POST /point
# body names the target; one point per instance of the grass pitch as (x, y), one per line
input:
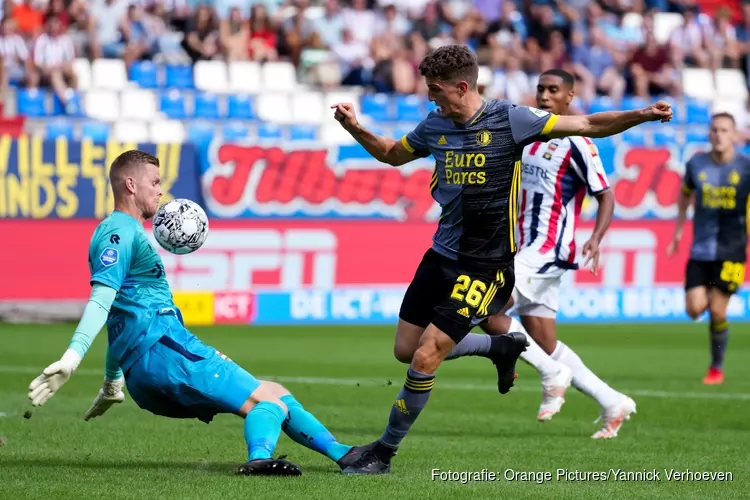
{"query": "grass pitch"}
(348, 378)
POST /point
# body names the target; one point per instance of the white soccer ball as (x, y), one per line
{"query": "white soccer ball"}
(180, 226)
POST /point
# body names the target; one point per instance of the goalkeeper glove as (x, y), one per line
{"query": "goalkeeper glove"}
(109, 394)
(53, 378)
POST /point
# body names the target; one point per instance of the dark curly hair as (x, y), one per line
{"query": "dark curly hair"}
(449, 63)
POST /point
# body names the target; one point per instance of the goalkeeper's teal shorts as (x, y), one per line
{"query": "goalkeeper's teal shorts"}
(181, 377)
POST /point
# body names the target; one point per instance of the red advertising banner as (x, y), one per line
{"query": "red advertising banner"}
(47, 259)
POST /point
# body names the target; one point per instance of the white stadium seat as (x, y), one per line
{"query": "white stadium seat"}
(138, 104)
(244, 77)
(211, 76)
(167, 131)
(308, 107)
(279, 76)
(102, 105)
(338, 96)
(698, 83)
(665, 23)
(130, 131)
(333, 134)
(731, 84)
(109, 74)
(82, 69)
(484, 77)
(274, 107)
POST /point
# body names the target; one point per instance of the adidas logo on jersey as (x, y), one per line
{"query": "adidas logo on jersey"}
(442, 141)
(464, 312)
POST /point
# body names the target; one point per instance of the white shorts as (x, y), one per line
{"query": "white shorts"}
(535, 295)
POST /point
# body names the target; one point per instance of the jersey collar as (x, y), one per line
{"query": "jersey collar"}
(474, 117)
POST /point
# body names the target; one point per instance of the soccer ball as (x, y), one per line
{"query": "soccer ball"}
(180, 226)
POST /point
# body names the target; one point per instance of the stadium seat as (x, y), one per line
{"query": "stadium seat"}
(696, 134)
(377, 107)
(274, 107)
(602, 104)
(240, 106)
(31, 102)
(635, 136)
(485, 76)
(337, 96)
(102, 105)
(73, 108)
(96, 131)
(200, 132)
(235, 131)
(130, 131)
(207, 106)
(279, 76)
(731, 84)
(172, 104)
(403, 129)
(82, 69)
(145, 74)
(167, 132)
(178, 76)
(303, 133)
(211, 76)
(409, 108)
(244, 77)
(698, 83)
(665, 23)
(664, 136)
(307, 107)
(333, 134)
(698, 112)
(109, 74)
(60, 128)
(269, 131)
(632, 102)
(138, 104)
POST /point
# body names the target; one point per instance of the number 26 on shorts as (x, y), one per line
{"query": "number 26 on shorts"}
(476, 290)
(733, 272)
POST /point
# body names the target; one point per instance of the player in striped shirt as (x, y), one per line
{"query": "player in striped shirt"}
(557, 174)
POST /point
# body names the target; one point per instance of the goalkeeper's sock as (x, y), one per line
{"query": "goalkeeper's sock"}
(262, 429)
(306, 430)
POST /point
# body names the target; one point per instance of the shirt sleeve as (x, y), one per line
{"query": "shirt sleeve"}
(415, 141)
(110, 254)
(93, 319)
(527, 124)
(589, 164)
(688, 183)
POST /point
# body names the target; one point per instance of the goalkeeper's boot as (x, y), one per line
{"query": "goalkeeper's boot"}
(353, 455)
(376, 460)
(613, 417)
(504, 352)
(269, 467)
(554, 388)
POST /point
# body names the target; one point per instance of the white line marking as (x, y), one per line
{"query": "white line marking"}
(442, 384)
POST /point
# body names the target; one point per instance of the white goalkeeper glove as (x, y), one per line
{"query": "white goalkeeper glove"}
(109, 394)
(53, 378)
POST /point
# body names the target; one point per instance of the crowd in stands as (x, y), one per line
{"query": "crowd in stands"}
(612, 46)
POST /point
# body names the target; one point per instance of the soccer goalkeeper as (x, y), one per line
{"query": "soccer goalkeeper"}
(168, 370)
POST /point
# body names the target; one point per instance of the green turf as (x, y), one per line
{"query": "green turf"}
(467, 426)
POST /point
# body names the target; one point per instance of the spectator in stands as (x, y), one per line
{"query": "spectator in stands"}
(360, 20)
(353, 56)
(725, 47)
(263, 38)
(743, 38)
(503, 37)
(29, 17)
(58, 8)
(652, 70)
(138, 36)
(105, 39)
(15, 56)
(594, 65)
(298, 33)
(234, 35)
(201, 40)
(693, 40)
(331, 24)
(53, 62)
(511, 83)
(428, 26)
(391, 24)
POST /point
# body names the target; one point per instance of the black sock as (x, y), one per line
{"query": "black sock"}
(719, 339)
(410, 402)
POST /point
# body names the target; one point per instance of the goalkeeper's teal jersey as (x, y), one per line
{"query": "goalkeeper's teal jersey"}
(122, 257)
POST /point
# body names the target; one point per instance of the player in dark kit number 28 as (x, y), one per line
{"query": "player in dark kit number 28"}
(720, 181)
(467, 275)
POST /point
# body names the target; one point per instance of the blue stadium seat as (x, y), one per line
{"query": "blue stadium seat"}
(96, 131)
(145, 74)
(31, 102)
(664, 136)
(635, 136)
(269, 131)
(207, 106)
(402, 129)
(60, 128)
(410, 108)
(179, 76)
(632, 102)
(172, 104)
(235, 131)
(696, 134)
(74, 109)
(240, 106)
(377, 107)
(303, 132)
(698, 112)
(602, 104)
(200, 133)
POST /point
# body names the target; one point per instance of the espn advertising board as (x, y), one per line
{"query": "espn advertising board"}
(353, 272)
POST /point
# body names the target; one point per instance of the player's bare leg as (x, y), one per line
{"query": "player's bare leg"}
(696, 301)
(434, 346)
(407, 340)
(555, 376)
(718, 302)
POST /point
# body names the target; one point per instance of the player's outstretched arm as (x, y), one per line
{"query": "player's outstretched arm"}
(609, 123)
(383, 149)
(58, 373)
